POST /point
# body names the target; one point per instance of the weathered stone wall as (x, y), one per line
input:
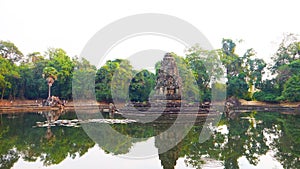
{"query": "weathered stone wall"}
(168, 84)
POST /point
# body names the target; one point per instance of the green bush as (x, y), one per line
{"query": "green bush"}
(265, 97)
(292, 89)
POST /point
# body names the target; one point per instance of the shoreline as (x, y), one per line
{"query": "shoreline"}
(34, 106)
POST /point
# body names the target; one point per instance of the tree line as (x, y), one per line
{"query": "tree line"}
(28, 76)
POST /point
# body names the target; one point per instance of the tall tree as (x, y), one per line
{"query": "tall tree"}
(242, 71)
(114, 76)
(206, 68)
(291, 90)
(254, 69)
(235, 69)
(288, 51)
(34, 57)
(83, 74)
(229, 58)
(64, 65)
(189, 83)
(141, 86)
(103, 80)
(7, 74)
(50, 73)
(286, 67)
(121, 81)
(10, 51)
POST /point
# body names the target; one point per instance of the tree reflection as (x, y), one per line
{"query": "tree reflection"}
(245, 138)
(7, 160)
(248, 135)
(51, 117)
(287, 145)
(19, 139)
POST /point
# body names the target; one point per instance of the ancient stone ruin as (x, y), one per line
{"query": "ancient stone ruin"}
(167, 96)
(168, 83)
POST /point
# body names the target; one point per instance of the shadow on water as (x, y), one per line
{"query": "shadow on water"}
(246, 135)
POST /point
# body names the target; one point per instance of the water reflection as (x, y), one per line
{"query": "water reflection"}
(245, 136)
(20, 140)
(51, 117)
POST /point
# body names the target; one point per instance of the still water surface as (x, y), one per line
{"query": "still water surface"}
(249, 140)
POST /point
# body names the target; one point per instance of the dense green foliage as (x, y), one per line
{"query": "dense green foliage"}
(206, 70)
(292, 89)
(286, 67)
(141, 86)
(243, 72)
(26, 77)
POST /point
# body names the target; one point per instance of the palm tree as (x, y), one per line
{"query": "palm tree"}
(50, 73)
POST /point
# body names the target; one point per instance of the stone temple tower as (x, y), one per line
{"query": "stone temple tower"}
(167, 97)
(168, 83)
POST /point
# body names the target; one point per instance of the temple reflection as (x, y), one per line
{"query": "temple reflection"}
(248, 136)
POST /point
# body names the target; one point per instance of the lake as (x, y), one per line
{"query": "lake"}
(58, 140)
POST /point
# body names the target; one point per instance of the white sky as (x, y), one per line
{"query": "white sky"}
(35, 25)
